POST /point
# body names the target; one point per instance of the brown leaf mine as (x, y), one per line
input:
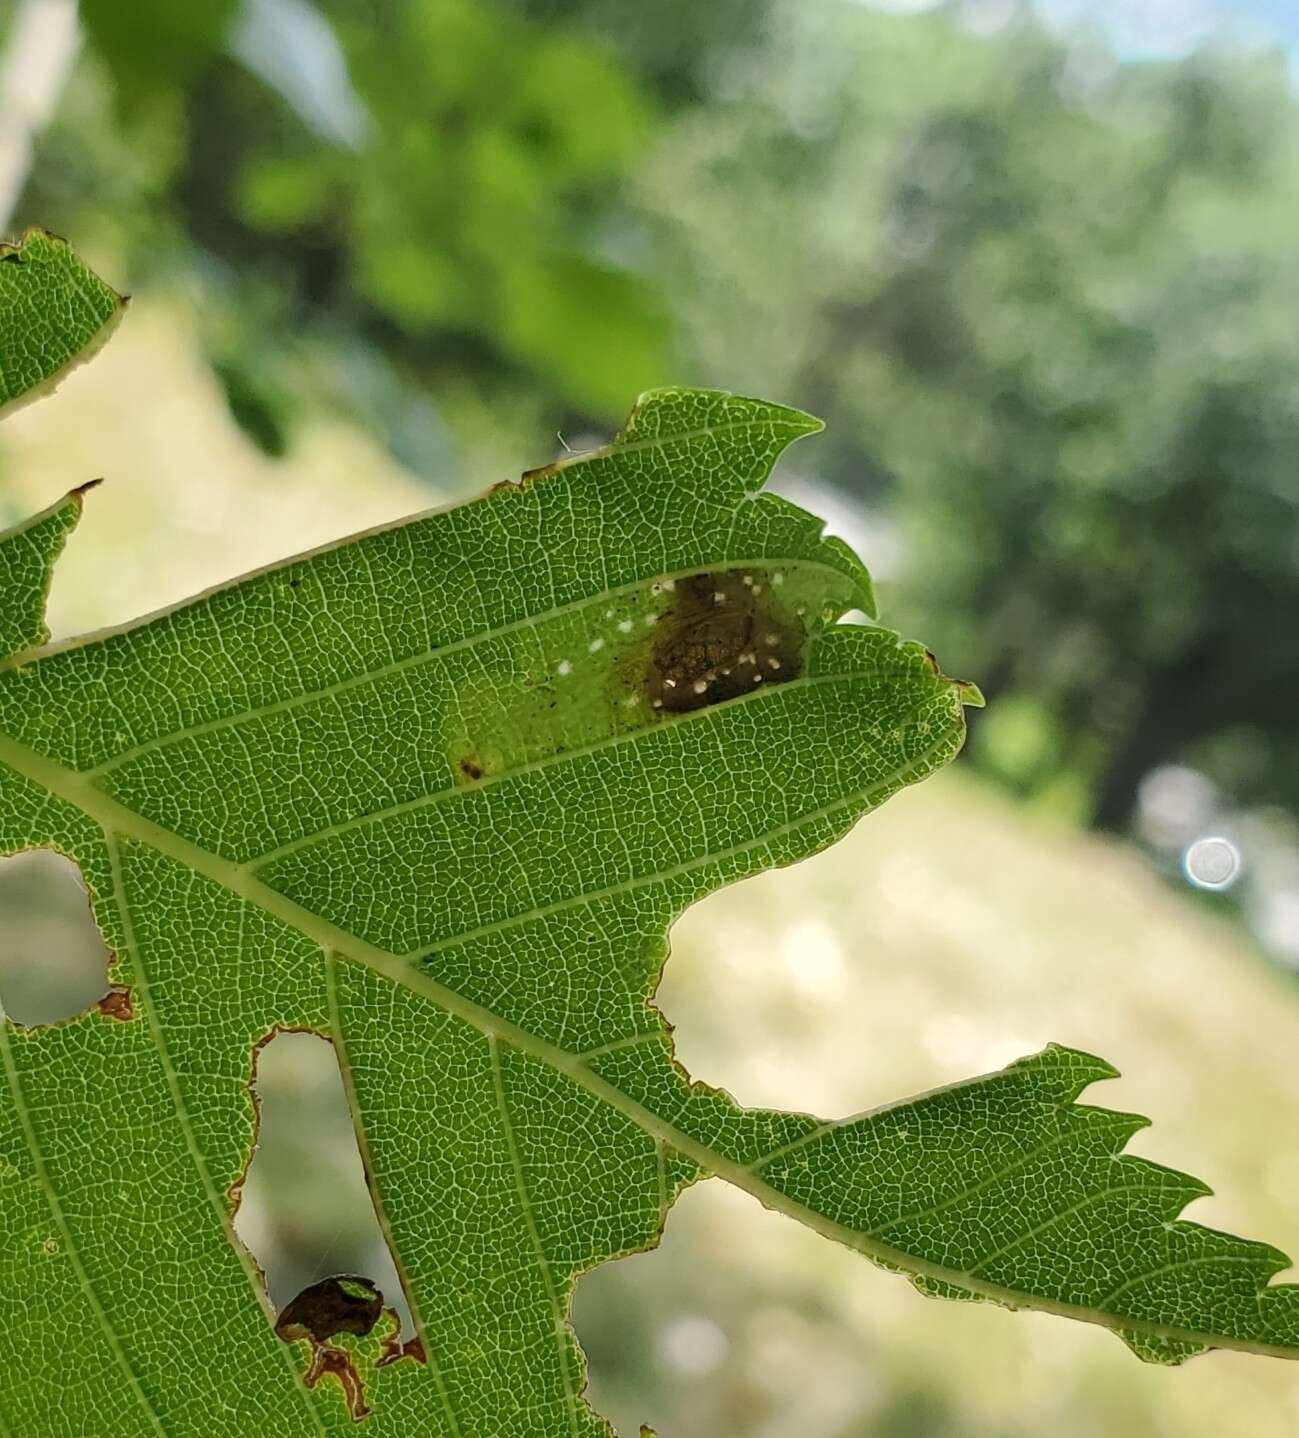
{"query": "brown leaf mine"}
(317, 1314)
(394, 1350)
(330, 1360)
(724, 636)
(332, 1306)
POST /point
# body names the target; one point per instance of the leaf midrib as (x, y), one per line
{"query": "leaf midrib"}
(111, 816)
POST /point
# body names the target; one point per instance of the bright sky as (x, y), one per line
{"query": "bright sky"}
(1148, 27)
(1159, 27)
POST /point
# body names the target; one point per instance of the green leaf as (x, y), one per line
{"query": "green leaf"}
(54, 315)
(438, 793)
(27, 557)
(1005, 1188)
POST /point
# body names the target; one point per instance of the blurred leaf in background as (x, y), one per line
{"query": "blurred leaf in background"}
(154, 48)
(440, 181)
(470, 222)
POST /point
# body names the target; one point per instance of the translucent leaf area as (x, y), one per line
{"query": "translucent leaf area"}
(437, 794)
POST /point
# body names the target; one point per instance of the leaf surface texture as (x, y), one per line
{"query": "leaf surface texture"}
(54, 314)
(431, 793)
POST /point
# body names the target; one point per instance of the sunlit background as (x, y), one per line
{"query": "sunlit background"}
(1037, 268)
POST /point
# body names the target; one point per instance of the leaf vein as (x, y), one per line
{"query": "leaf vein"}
(1048, 1223)
(380, 1213)
(423, 657)
(687, 866)
(1055, 1141)
(1199, 1260)
(530, 1219)
(186, 1125)
(65, 1233)
(548, 761)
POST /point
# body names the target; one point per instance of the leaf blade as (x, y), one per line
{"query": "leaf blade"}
(55, 314)
(358, 793)
(1060, 1161)
(27, 555)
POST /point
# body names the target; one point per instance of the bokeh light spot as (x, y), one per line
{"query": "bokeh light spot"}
(1211, 863)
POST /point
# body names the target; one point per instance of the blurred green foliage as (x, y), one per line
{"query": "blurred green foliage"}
(472, 231)
(1047, 305)
(1045, 300)
(154, 48)
(471, 223)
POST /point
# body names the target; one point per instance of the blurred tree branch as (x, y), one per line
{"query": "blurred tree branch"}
(41, 49)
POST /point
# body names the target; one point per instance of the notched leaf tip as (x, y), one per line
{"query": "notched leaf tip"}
(755, 411)
(971, 696)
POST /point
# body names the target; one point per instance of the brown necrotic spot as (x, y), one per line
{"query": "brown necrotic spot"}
(326, 1359)
(394, 1350)
(116, 1003)
(332, 1306)
(723, 636)
(321, 1312)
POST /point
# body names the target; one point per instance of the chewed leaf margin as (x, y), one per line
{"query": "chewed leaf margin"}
(1006, 1189)
(690, 499)
(27, 556)
(1003, 1188)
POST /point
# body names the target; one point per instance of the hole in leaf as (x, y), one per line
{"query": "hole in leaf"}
(53, 960)
(323, 1311)
(663, 1336)
(305, 1211)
